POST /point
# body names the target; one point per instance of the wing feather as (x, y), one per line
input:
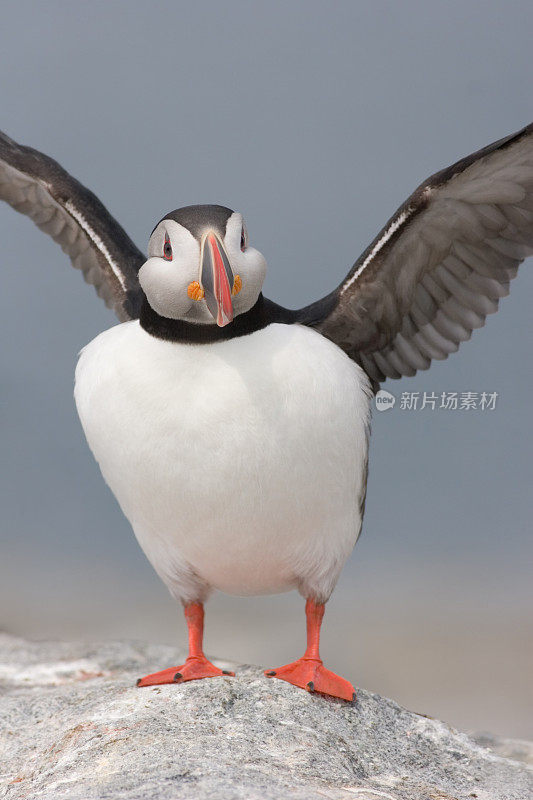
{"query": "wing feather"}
(439, 266)
(37, 186)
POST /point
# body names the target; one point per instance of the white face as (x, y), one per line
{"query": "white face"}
(173, 271)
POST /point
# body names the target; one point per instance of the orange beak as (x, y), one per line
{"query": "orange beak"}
(216, 278)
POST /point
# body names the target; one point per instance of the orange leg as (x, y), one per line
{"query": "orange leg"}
(196, 666)
(309, 672)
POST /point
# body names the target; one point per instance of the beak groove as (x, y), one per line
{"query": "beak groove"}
(216, 278)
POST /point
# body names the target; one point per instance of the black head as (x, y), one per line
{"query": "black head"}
(198, 218)
(200, 267)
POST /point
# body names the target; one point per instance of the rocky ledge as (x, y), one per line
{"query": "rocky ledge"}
(74, 726)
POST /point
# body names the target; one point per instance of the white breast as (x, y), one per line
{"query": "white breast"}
(241, 464)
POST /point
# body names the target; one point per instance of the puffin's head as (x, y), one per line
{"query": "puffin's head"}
(200, 267)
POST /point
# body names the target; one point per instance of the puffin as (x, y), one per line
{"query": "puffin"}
(234, 432)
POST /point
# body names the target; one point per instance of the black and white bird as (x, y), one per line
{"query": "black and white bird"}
(233, 431)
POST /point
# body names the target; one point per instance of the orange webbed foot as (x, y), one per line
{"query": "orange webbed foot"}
(195, 668)
(312, 675)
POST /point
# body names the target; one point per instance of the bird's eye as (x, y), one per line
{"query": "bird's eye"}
(243, 240)
(167, 249)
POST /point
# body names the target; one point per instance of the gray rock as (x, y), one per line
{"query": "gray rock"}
(517, 749)
(75, 727)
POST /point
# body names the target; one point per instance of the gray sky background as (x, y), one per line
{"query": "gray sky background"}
(315, 120)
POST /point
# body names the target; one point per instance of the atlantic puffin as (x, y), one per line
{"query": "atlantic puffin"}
(234, 432)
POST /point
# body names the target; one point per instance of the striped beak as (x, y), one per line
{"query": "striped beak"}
(216, 278)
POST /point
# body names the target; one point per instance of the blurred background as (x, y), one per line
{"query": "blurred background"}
(316, 120)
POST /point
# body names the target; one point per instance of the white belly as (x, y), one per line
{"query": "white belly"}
(240, 465)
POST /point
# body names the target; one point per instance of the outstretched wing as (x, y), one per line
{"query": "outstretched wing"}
(38, 186)
(438, 267)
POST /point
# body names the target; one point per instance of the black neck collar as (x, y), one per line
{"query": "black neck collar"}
(176, 330)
